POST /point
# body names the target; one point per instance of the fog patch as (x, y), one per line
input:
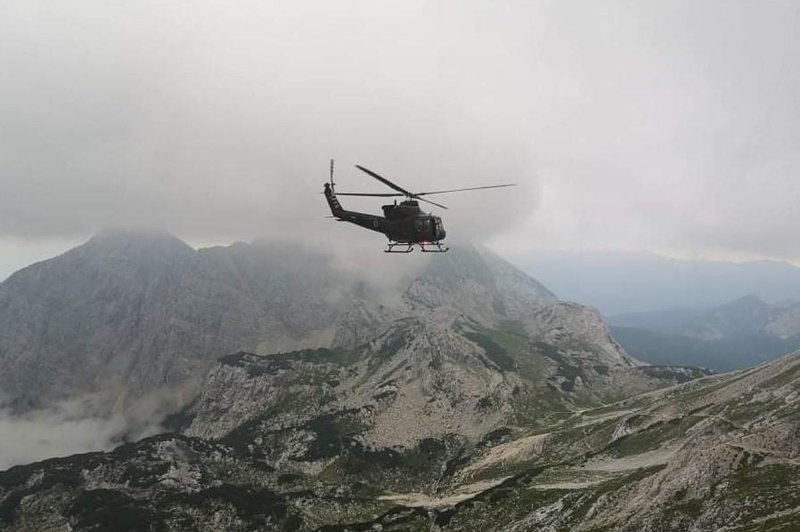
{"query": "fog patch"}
(80, 425)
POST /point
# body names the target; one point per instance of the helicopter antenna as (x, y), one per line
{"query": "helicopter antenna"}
(331, 173)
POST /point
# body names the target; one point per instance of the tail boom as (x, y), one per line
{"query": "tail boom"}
(367, 221)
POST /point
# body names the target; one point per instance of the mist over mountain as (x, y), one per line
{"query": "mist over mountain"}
(133, 320)
(459, 392)
(140, 310)
(302, 380)
(625, 282)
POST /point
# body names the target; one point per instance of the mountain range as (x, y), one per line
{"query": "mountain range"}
(736, 335)
(635, 282)
(463, 395)
(132, 312)
(324, 448)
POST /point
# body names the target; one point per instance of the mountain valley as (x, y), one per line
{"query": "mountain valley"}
(719, 452)
(736, 335)
(471, 399)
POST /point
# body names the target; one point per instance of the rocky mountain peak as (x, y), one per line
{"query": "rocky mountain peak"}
(748, 313)
(130, 236)
(748, 304)
(110, 250)
(305, 382)
(478, 282)
(141, 310)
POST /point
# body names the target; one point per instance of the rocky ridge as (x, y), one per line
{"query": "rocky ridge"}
(132, 312)
(128, 312)
(720, 452)
(467, 357)
(392, 415)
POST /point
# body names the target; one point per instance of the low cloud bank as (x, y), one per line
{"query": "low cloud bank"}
(80, 425)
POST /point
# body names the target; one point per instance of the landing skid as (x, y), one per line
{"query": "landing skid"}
(390, 249)
(437, 245)
(408, 248)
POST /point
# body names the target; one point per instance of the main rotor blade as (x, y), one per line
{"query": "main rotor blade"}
(387, 195)
(429, 201)
(384, 180)
(462, 189)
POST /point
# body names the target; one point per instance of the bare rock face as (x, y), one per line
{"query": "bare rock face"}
(139, 311)
(474, 400)
(716, 452)
(785, 323)
(441, 372)
(477, 283)
(133, 312)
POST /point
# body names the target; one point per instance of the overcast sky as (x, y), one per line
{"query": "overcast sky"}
(663, 125)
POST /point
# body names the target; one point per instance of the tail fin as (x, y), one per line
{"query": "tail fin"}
(333, 201)
(330, 195)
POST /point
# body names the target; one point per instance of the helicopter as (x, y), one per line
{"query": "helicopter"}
(405, 225)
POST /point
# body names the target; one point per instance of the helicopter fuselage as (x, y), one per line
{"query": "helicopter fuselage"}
(403, 223)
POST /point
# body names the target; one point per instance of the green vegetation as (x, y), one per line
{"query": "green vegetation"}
(692, 508)
(669, 373)
(789, 376)
(772, 478)
(495, 437)
(494, 351)
(398, 338)
(334, 433)
(747, 409)
(257, 365)
(419, 468)
(701, 389)
(104, 509)
(652, 437)
(609, 486)
(509, 349)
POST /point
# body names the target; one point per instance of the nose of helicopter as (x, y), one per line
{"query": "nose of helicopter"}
(438, 228)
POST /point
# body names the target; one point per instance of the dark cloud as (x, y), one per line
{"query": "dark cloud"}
(674, 130)
(640, 125)
(219, 121)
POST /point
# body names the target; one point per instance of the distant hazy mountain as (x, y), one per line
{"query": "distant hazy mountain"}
(659, 319)
(739, 334)
(618, 282)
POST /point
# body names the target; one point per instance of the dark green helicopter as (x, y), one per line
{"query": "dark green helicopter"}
(404, 224)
